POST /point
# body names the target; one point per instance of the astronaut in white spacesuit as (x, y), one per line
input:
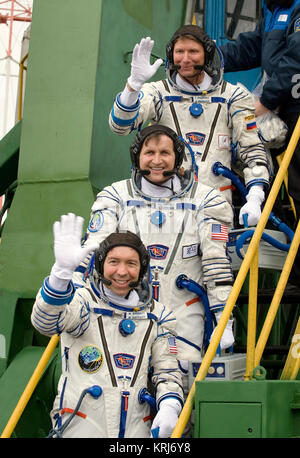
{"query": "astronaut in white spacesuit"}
(184, 225)
(216, 118)
(113, 335)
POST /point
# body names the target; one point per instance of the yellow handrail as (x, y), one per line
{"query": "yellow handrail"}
(253, 246)
(21, 81)
(279, 160)
(252, 313)
(38, 372)
(292, 364)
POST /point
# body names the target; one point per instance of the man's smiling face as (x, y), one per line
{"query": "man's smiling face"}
(157, 156)
(121, 267)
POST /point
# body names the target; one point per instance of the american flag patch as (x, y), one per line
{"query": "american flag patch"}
(219, 232)
(172, 345)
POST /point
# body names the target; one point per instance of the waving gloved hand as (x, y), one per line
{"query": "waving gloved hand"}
(227, 339)
(255, 198)
(166, 418)
(67, 249)
(141, 69)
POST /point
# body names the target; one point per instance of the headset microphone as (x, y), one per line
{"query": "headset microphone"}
(144, 172)
(199, 67)
(175, 67)
(107, 282)
(178, 67)
(166, 173)
(169, 173)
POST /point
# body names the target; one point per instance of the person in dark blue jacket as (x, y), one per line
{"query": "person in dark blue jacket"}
(275, 46)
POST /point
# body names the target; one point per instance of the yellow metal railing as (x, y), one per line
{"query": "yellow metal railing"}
(292, 365)
(27, 393)
(21, 84)
(251, 254)
(252, 313)
(279, 160)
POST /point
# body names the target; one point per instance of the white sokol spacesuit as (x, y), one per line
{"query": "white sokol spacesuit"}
(108, 346)
(217, 121)
(184, 225)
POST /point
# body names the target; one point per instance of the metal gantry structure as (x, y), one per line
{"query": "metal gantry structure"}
(15, 16)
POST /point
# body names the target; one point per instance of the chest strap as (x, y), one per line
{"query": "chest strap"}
(173, 112)
(134, 215)
(180, 233)
(106, 352)
(142, 350)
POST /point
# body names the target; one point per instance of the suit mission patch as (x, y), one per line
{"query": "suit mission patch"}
(124, 360)
(96, 221)
(195, 138)
(158, 251)
(90, 359)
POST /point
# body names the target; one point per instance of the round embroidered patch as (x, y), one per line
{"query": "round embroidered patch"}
(90, 359)
(96, 221)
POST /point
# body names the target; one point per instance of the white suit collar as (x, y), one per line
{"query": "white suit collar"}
(185, 86)
(130, 301)
(169, 188)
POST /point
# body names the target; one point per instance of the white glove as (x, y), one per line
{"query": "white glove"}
(227, 339)
(255, 198)
(141, 69)
(67, 249)
(166, 418)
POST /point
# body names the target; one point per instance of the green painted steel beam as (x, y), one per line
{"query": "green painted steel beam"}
(9, 157)
(20, 371)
